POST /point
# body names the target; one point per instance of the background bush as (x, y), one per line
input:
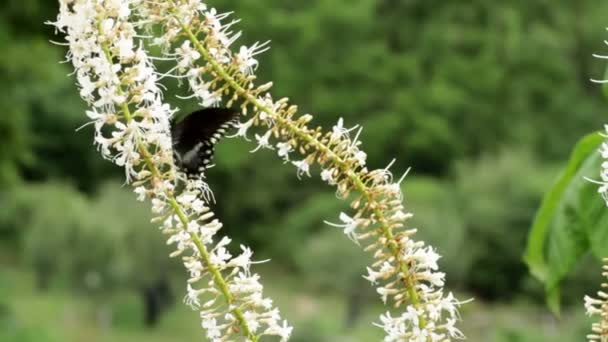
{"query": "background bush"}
(483, 100)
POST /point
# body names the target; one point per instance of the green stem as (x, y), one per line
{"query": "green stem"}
(294, 129)
(217, 275)
(202, 250)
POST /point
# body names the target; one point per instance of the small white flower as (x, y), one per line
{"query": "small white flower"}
(452, 330)
(242, 128)
(191, 298)
(213, 331)
(603, 184)
(349, 226)
(198, 205)
(427, 258)
(206, 97)
(186, 55)
(158, 206)
(284, 331)
(339, 132)
(257, 300)
(141, 193)
(195, 268)
(328, 176)
(372, 275)
(125, 48)
(412, 315)
(303, 167)
(267, 102)
(361, 157)
(243, 261)
(245, 57)
(251, 317)
(87, 87)
(220, 256)
(283, 150)
(263, 141)
(193, 227)
(592, 306)
(385, 293)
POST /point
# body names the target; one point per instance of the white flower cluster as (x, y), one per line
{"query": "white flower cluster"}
(119, 82)
(599, 307)
(241, 288)
(406, 269)
(603, 189)
(429, 314)
(174, 16)
(115, 75)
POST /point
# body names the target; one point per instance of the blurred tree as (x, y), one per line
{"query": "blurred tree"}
(437, 216)
(96, 246)
(51, 216)
(140, 253)
(435, 84)
(496, 197)
(41, 108)
(14, 146)
(28, 17)
(331, 263)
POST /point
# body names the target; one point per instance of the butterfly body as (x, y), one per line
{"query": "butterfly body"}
(194, 138)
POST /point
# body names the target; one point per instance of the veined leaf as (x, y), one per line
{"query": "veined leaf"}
(571, 217)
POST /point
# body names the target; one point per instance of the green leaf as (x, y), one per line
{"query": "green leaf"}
(571, 216)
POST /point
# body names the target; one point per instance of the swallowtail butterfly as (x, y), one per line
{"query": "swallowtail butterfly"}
(194, 138)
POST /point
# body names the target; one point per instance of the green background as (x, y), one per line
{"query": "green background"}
(484, 100)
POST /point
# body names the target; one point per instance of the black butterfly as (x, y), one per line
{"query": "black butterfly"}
(194, 138)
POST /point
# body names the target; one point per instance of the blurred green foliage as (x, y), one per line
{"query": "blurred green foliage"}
(482, 99)
(497, 197)
(98, 244)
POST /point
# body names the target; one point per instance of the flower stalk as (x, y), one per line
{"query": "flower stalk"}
(598, 306)
(603, 183)
(202, 251)
(118, 80)
(406, 268)
(217, 276)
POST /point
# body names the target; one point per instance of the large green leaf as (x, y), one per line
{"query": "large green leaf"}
(572, 220)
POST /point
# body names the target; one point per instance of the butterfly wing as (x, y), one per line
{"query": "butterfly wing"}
(194, 138)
